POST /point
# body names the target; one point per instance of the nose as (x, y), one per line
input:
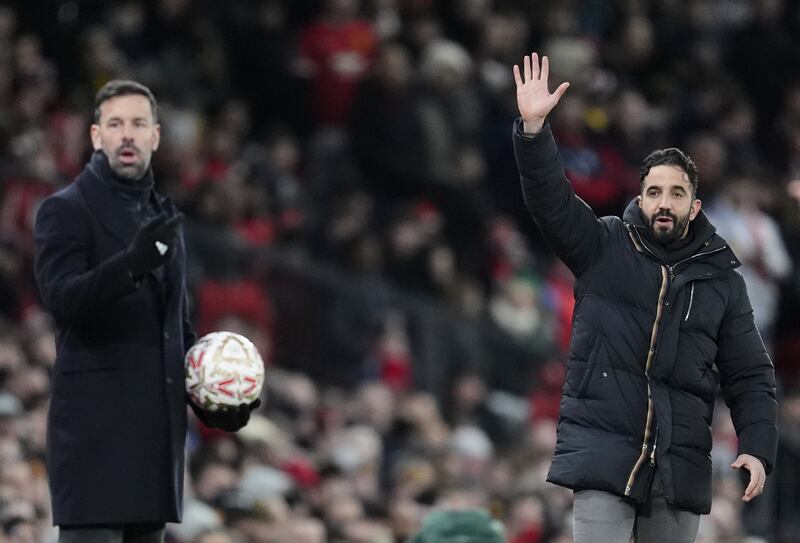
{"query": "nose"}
(664, 202)
(127, 132)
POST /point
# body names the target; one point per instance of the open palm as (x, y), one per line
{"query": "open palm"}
(534, 100)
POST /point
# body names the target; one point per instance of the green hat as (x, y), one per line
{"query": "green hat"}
(459, 526)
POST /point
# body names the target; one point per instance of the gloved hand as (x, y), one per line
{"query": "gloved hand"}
(229, 419)
(154, 244)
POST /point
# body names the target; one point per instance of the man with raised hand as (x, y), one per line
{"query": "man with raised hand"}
(661, 319)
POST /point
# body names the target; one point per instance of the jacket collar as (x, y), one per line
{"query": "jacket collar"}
(105, 203)
(707, 246)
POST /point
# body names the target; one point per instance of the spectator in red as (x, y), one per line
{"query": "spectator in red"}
(336, 52)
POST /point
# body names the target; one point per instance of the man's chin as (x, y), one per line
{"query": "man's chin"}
(664, 235)
(129, 171)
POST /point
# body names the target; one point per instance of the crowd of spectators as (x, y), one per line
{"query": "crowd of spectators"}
(353, 207)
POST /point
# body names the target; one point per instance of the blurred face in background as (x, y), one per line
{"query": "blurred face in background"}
(127, 133)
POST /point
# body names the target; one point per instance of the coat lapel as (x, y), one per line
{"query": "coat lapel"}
(106, 206)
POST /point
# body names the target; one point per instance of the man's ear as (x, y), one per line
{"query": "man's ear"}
(94, 135)
(156, 137)
(695, 211)
(639, 200)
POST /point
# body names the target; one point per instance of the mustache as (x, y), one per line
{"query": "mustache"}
(666, 214)
(127, 147)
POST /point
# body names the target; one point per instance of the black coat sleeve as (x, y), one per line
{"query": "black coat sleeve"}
(567, 223)
(69, 288)
(748, 378)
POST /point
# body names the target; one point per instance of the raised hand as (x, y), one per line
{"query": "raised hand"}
(534, 100)
(154, 244)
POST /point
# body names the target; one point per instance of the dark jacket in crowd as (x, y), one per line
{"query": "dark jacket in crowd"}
(652, 338)
(117, 420)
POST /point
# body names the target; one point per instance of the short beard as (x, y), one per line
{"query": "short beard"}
(133, 172)
(665, 237)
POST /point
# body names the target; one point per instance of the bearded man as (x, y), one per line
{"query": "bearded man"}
(661, 319)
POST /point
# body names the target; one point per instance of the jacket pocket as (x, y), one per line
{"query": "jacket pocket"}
(579, 370)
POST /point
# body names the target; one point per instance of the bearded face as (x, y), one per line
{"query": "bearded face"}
(668, 203)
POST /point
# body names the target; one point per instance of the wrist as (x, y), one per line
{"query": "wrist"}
(532, 126)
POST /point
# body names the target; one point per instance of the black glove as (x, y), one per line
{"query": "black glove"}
(229, 419)
(154, 244)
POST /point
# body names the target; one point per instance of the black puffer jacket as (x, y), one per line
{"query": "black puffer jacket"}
(650, 344)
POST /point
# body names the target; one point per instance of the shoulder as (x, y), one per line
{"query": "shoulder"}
(64, 207)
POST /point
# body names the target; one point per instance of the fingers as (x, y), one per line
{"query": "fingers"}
(517, 76)
(526, 65)
(531, 70)
(174, 220)
(757, 477)
(755, 488)
(155, 222)
(545, 69)
(562, 88)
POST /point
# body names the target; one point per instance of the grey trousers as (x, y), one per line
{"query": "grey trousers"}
(602, 517)
(124, 533)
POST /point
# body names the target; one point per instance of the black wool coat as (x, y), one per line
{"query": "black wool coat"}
(651, 341)
(117, 419)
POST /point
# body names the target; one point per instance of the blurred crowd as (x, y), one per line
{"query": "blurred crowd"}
(353, 206)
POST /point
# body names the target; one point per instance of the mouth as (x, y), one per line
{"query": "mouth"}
(128, 156)
(665, 222)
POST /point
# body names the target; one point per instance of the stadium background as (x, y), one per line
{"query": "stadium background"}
(353, 206)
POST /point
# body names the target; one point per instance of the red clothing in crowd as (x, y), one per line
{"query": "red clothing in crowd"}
(340, 55)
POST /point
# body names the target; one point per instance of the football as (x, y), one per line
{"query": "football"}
(223, 369)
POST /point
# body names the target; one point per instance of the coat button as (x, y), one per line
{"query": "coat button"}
(166, 335)
(169, 380)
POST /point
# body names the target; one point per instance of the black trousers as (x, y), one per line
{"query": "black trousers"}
(120, 533)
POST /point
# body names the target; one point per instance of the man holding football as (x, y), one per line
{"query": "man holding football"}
(661, 318)
(110, 266)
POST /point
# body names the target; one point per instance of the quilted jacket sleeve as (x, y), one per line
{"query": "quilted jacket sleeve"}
(567, 223)
(748, 378)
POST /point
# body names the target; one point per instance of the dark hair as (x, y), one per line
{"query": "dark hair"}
(671, 156)
(123, 87)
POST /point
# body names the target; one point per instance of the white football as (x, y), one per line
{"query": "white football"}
(223, 369)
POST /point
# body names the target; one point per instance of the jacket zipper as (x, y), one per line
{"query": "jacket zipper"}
(691, 299)
(653, 452)
(667, 273)
(697, 255)
(650, 356)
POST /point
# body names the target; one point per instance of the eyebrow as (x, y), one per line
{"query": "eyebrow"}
(118, 118)
(673, 187)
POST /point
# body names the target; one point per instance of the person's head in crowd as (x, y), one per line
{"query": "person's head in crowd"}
(342, 511)
(375, 405)
(569, 119)
(394, 69)
(464, 526)
(638, 39)
(405, 517)
(217, 535)
(10, 412)
(213, 478)
(526, 519)
(710, 155)
(445, 65)
(31, 384)
(126, 126)
(365, 530)
(303, 530)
